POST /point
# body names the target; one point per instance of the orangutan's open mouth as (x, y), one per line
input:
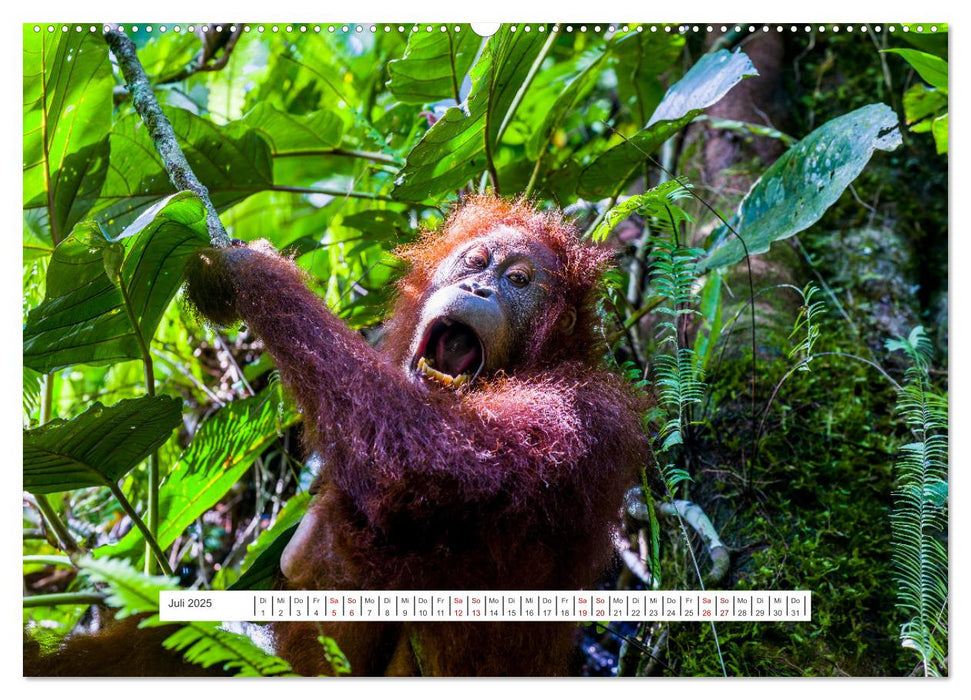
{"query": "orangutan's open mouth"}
(450, 353)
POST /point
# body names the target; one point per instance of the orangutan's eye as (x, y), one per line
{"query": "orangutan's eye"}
(477, 259)
(519, 278)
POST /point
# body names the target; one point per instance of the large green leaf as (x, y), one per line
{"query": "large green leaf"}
(84, 317)
(262, 573)
(702, 86)
(223, 449)
(641, 58)
(799, 187)
(939, 129)
(921, 101)
(434, 66)
(67, 116)
(232, 162)
(455, 149)
(931, 68)
(288, 133)
(98, 447)
(576, 89)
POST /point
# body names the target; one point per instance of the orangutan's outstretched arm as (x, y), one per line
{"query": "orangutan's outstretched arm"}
(389, 443)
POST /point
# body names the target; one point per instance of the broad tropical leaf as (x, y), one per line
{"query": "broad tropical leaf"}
(702, 86)
(287, 133)
(86, 316)
(929, 67)
(434, 66)
(799, 187)
(263, 556)
(231, 162)
(98, 447)
(460, 144)
(260, 575)
(575, 90)
(67, 116)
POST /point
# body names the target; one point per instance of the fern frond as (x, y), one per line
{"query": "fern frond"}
(203, 643)
(678, 384)
(657, 204)
(130, 591)
(919, 518)
(678, 376)
(807, 326)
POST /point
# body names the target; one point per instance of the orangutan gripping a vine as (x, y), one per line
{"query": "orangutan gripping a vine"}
(482, 446)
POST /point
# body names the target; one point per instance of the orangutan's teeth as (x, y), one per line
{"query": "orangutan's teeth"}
(425, 367)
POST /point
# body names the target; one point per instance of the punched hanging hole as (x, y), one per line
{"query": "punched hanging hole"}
(485, 29)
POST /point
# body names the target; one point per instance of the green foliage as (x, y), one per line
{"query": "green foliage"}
(920, 509)
(801, 185)
(67, 117)
(334, 656)
(233, 162)
(223, 448)
(322, 130)
(926, 108)
(678, 381)
(931, 68)
(105, 298)
(806, 326)
(263, 556)
(330, 145)
(678, 377)
(461, 144)
(434, 66)
(203, 643)
(98, 447)
(703, 85)
(657, 203)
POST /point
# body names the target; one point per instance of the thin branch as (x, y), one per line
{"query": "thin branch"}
(224, 346)
(175, 364)
(51, 599)
(154, 475)
(67, 542)
(332, 192)
(202, 63)
(140, 524)
(343, 152)
(163, 136)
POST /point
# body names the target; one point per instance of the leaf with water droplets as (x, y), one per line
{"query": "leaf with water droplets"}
(807, 180)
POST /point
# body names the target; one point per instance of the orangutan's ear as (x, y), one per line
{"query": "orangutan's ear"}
(567, 321)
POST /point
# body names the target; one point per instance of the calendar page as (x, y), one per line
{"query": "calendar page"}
(523, 349)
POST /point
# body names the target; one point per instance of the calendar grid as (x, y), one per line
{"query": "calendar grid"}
(473, 606)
